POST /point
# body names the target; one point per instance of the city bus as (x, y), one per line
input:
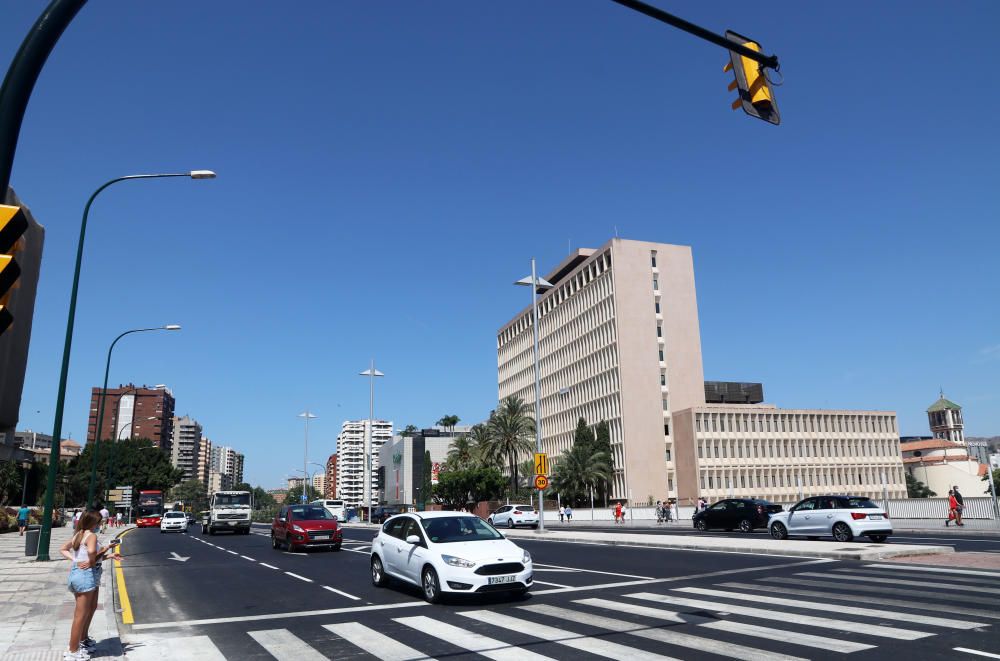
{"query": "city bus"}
(334, 507)
(150, 509)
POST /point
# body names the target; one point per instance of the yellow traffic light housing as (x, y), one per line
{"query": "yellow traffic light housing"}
(13, 223)
(756, 95)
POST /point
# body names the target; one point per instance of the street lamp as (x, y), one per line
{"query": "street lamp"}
(25, 467)
(305, 456)
(104, 394)
(371, 373)
(536, 283)
(46, 532)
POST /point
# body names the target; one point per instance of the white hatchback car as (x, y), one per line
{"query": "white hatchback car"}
(514, 515)
(174, 521)
(448, 552)
(843, 517)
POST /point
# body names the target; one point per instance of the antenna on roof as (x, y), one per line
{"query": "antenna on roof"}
(942, 392)
(616, 231)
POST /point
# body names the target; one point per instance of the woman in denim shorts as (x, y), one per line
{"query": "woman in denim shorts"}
(81, 550)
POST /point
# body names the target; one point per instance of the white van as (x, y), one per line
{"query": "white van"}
(334, 507)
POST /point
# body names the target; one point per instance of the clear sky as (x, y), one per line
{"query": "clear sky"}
(388, 169)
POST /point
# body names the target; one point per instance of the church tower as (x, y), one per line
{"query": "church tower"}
(945, 418)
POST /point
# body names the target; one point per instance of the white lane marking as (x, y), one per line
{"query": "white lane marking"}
(690, 641)
(555, 585)
(950, 578)
(635, 609)
(264, 564)
(783, 616)
(565, 571)
(786, 636)
(469, 640)
(233, 552)
(301, 578)
(591, 571)
(364, 551)
(652, 547)
(185, 647)
(276, 616)
(378, 645)
(988, 655)
(897, 581)
(341, 592)
(283, 645)
(941, 570)
(598, 646)
(246, 557)
(837, 608)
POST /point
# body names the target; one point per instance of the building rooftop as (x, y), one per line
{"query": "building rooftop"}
(943, 404)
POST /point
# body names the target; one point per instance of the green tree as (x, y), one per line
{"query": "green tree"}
(578, 471)
(511, 431)
(192, 493)
(461, 454)
(459, 488)
(409, 430)
(136, 463)
(294, 495)
(996, 482)
(917, 489)
(10, 476)
(481, 440)
(262, 499)
(584, 436)
(602, 443)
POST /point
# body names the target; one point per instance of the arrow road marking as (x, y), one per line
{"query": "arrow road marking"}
(179, 558)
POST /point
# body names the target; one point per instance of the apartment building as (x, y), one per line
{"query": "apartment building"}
(227, 461)
(204, 460)
(319, 483)
(351, 451)
(185, 446)
(132, 411)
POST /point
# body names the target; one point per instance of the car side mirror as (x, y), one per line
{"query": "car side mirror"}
(413, 539)
(281, 518)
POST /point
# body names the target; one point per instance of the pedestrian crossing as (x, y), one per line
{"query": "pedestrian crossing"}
(764, 618)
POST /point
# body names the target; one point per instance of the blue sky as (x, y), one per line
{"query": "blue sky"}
(387, 169)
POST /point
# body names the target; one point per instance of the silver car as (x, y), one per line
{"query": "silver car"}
(842, 517)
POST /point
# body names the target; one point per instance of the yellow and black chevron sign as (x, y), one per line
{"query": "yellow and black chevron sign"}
(13, 224)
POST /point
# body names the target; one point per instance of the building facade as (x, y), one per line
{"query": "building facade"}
(351, 451)
(330, 490)
(204, 460)
(319, 483)
(132, 411)
(945, 419)
(944, 461)
(185, 446)
(227, 461)
(402, 464)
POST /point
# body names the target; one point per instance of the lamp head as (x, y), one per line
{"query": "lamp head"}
(202, 174)
(172, 327)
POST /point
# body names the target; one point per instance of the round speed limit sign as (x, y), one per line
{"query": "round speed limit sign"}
(541, 482)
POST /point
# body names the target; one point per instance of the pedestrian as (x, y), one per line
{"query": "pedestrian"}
(105, 515)
(618, 513)
(569, 514)
(22, 518)
(81, 550)
(562, 513)
(960, 508)
(952, 506)
(659, 512)
(624, 512)
(76, 518)
(671, 512)
(702, 504)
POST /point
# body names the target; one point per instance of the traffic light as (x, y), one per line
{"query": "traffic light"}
(13, 223)
(756, 95)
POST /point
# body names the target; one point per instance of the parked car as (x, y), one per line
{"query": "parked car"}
(381, 514)
(732, 513)
(513, 516)
(299, 527)
(448, 552)
(174, 522)
(843, 517)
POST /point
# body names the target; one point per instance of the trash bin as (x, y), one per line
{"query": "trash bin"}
(31, 540)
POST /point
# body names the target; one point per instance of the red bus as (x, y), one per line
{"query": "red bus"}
(150, 509)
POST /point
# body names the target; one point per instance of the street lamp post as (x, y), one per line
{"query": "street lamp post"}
(100, 407)
(371, 373)
(26, 467)
(537, 283)
(46, 531)
(305, 455)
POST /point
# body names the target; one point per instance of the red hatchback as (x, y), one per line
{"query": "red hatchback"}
(305, 526)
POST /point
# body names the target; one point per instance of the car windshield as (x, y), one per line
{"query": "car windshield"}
(232, 500)
(176, 515)
(310, 513)
(459, 529)
(861, 503)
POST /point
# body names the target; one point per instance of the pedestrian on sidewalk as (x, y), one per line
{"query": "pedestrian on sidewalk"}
(22, 518)
(618, 513)
(961, 506)
(659, 512)
(569, 514)
(562, 513)
(118, 519)
(105, 515)
(81, 550)
(102, 554)
(952, 506)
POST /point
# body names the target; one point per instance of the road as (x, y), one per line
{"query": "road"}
(235, 597)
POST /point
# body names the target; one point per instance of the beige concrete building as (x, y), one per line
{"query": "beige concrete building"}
(783, 455)
(619, 342)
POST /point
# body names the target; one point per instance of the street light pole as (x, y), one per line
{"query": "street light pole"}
(305, 456)
(25, 466)
(371, 373)
(537, 283)
(46, 531)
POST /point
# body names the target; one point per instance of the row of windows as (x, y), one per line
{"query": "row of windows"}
(780, 478)
(784, 448)
(793, 422)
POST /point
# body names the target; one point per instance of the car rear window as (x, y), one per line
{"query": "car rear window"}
(524, 507)
(859, 503)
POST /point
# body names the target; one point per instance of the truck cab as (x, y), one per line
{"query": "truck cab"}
(228, 510)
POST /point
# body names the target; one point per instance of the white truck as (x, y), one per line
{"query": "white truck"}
(228, 510)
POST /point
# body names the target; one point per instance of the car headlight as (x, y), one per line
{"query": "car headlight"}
(297, 528)
(527, 558)
(457, 562)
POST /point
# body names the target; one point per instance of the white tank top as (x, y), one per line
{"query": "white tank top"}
(81, 554)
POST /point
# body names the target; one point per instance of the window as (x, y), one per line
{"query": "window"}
(668, 455)
(657, 304)
(666, 429)
(659, 331)
(652, 258)
(656, 283)
(663, 379)
(661, 355)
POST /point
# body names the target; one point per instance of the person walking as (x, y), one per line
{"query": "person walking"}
(569, 514)
(618, 513)
(105, 515)
(659, 512)
(23, 515)
(952, 506)
(960, 507)
(118, 519)
(562, 513)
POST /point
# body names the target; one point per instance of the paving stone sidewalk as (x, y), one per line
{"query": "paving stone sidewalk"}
(36, 608)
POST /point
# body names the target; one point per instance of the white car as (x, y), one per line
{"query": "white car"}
(448, 552)
(174, 521)
(512, 516)
(842, 517)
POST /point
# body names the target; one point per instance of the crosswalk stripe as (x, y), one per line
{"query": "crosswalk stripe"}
(837, 608)
(937, 607)
(378, 645)
(940, 570)
(784, 616)
(598, 646)
(283, 645)
(690, 641)
(197, 648)
(949, 579)
(469, 640)
(900, 581)
(786, 636)
(934, 594)
(636, 609)
(988, 655)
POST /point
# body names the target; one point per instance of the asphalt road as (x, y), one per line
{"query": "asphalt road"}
(235, 597)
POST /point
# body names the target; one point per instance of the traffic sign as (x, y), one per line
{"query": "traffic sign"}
(541, 464)
(541, 482)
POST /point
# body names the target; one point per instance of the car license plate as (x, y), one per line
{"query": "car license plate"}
(321, 537)
(502, 579)
(875, 516)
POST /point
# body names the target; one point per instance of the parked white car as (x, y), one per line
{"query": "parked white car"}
(512, 516)
(448, 552)
(174, 522)
(842, 517)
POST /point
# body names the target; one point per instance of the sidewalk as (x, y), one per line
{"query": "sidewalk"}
(36, 609)
(971, 527)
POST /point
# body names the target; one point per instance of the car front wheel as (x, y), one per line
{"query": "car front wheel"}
(275, 544)
(779, 531)
(510, 523)
(431, 586)
(701, 525)
(378, 572)
(842, 532)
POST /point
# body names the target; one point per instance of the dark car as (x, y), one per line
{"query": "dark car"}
(732, 513)
(305, 526)
(380, 514)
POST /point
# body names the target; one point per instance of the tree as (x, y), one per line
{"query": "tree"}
(294, 495)
(996, 482)
(262, 499)
(578, 471)
(427, 483)
(511, 435)
(917, 489)
(409, 430)
(191, 492)
(448, 422)
(481, 440)
(461, 454)
(135, 462)
(584, 436)
(602, 443)
(459, 488)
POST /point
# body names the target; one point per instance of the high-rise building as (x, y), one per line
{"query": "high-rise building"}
(227, 461)
(295, 482)
(331, 477)
(185, 446)
(204, 459)
(319, 483)
(351, 460)
(132, 411)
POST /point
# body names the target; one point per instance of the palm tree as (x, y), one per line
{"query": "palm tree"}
(577, 471)
(448, 422)
(461, 454)
(481, 440)
(410, 430)
(512, 432)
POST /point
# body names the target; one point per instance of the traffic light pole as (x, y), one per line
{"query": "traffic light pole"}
(766, 61)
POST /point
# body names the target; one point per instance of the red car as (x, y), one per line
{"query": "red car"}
(300, 527)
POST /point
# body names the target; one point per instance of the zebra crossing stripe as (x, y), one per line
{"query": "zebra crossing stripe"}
(636, 609)
(786, 636)
(988, 655)
(937, 594)
(690, 641)
(942, 570)
(283, 645)
(974, 580)
(186, 647)
(469, 640)
(378, 645)
(898, 581)
(837, 608)
(598, 646)
(784, 616)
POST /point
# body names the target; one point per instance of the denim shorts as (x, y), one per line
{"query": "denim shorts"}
(82, 580)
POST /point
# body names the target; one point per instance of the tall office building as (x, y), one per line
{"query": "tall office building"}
(351, 460)
(204, 459)
(185, 446)
(132, 411)
(330, 488)
(227, 461)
